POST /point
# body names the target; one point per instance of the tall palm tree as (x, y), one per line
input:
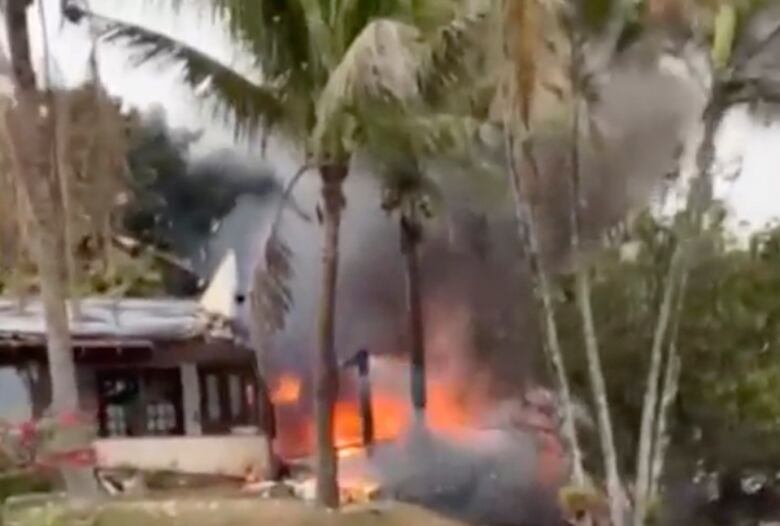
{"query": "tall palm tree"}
(31, 132)
(406, 194)
(733, 48)
(530, 69)
(546, 81)
(321, 66)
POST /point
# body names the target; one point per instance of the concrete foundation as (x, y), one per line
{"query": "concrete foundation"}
(208, 455)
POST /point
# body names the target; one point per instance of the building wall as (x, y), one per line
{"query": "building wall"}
(231, 455)
(17, 400)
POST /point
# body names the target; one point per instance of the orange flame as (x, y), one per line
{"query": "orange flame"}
(392, 413)
(287, 390)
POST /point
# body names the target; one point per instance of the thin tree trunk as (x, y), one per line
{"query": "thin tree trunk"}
(599, 388)
(410, 240)
(29, 124)
(698, 199)
(59, 145)
(266, 419)
(668, 395)
(326, 375)
(650, 403)
(583, 291)
(268, 314)
(595, 370)
(260, 341)
(529, 239)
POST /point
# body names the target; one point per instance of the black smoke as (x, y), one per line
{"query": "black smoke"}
(179, 202)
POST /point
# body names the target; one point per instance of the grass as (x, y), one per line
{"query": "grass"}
(36, 511)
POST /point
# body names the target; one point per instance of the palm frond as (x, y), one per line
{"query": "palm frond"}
(271, 297)
(378, 67)
(248, 105)
(455, 56)
(538, 51)
(285, 38)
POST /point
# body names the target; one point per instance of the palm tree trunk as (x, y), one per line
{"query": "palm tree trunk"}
(699, 198)
(668, 395)
(260, 340)
(326, 375)
(530, 241)
(29, 124)
(583, 291)
(599, 388)
(661, 439)
(410, 240)
(266, 419)
(650, 404)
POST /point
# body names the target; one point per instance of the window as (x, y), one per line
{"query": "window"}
(116, 421)
(15, 401)
(225, 398)
(234, 383)
(214, 410)
(138, 402)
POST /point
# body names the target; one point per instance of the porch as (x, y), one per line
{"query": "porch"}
(167, 390)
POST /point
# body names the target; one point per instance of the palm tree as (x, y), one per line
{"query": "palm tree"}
(31, 131)
(523, 32)
(321, 64)
(546, 81)
(406, 194)
(729, 81)
(576, 39)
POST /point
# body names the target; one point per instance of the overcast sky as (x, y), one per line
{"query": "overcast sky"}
(752, 195)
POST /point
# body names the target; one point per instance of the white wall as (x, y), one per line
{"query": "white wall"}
(221, 455)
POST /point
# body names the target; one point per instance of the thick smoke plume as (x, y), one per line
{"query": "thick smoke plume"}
(482, 330)
(485, 477)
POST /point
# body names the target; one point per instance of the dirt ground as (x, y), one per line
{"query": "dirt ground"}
(211, 512)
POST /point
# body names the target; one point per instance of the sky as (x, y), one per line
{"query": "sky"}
(756, 146)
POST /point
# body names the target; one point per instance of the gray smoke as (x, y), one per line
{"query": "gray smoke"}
(488, 477)
(478, 304)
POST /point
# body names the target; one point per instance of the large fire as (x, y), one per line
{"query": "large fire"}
(392, 414)
(462, 409)
(459, 410)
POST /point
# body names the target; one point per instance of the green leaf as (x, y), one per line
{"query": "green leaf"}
(724, 34)
(247, 104)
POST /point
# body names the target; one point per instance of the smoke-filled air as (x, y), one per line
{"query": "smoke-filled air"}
(452, 262)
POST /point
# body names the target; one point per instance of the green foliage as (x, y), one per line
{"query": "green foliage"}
(22, 483)
(92, 137)
(176, 205)
(248, 105)
(596, 13)
(729, 343)
(724, 34)
(322, 62)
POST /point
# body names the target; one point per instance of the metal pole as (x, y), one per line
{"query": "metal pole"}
(361, 361)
